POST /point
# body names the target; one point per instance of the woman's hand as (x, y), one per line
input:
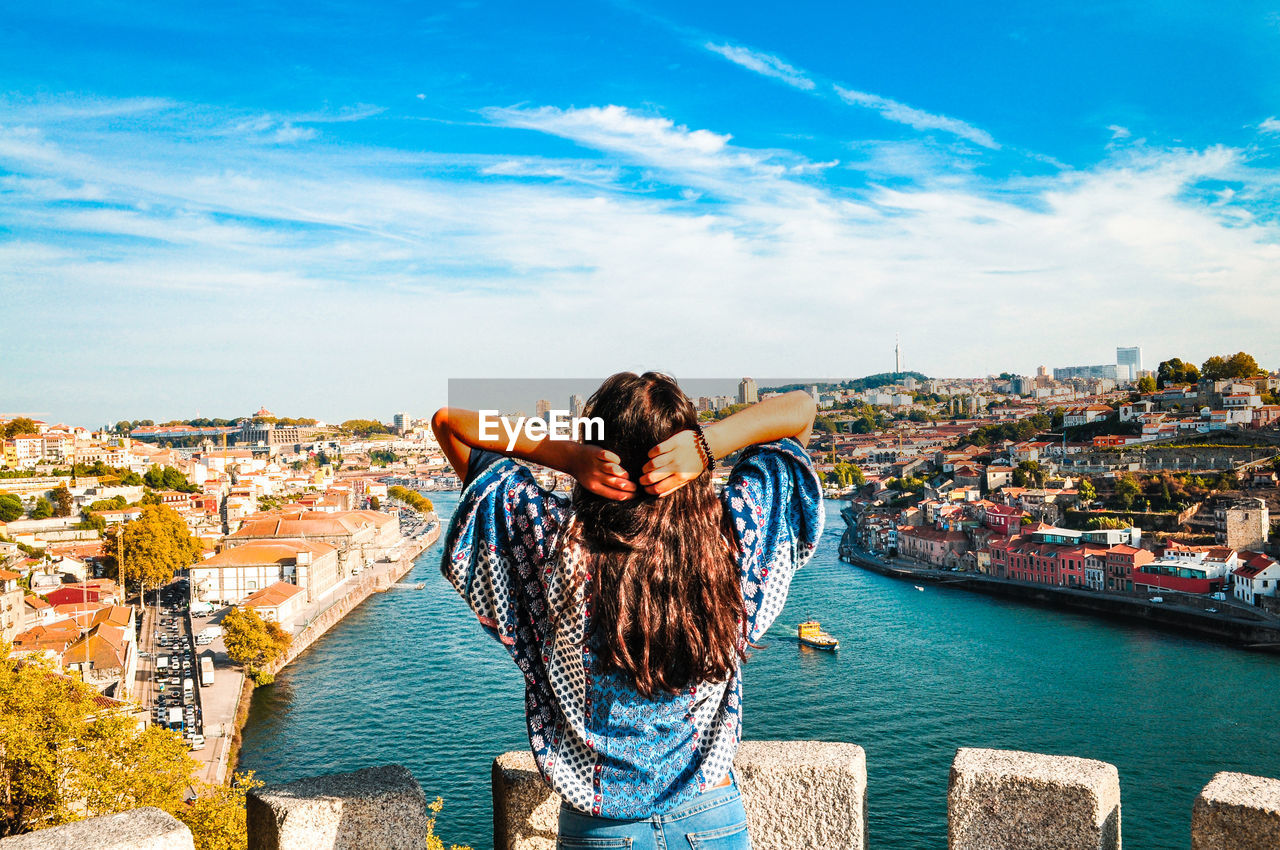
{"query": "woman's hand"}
(600, 471)
(672, 464)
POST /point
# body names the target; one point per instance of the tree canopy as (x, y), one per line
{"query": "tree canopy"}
(43, 509)
(1238, 365)
(151, 548)
(20, 425)
(1174, 371)
(364, 427)
(844, 474)
(412, 498)
(253, 642)
(63, 502)
(168, 478)
(10, 507)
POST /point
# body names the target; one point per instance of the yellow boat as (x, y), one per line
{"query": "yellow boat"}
(811, 634)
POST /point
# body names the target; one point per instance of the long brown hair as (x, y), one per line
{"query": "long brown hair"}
(666, 603)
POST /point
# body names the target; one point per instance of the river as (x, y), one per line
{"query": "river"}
(408, 677)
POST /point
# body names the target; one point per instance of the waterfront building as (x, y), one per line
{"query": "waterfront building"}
(1257, 577)
(1122, 562)
(747, 393)
(542, 408)
(360, 537)
(240, 571)
(1242, 524)
(280, 602)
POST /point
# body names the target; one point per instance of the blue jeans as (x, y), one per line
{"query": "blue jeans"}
(714, 820)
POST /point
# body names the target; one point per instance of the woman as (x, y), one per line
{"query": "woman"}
(629, 606)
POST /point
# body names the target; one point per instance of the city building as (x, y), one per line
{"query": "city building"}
(1257, 577)
(401, 422)
(280, 602)
(1107, 371)
(1129, 362)
(12, 610)
(747, 393)
(240, 571)
(1242, 524)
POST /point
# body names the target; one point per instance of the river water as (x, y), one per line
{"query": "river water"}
(408, 677)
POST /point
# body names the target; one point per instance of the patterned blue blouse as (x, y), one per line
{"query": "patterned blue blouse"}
(606, 749)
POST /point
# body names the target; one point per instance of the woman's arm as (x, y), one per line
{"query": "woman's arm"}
(458, 431)
(676, 461)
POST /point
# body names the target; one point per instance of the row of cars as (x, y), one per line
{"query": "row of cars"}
(176, 706)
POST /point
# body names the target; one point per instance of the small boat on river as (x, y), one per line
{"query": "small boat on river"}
(810, 634)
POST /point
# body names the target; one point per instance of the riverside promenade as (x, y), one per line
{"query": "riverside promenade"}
(222, 701)
(1241, 626)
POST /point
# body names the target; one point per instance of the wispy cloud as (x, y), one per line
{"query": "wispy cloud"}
(653, 222)
(1118, 132)
(762, 63)
(1271, 125)
(892, 110)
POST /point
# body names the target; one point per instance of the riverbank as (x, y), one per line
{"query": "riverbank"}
(226, 703)
(1238, 631)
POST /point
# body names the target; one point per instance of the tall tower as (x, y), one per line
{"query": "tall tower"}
(897, 355)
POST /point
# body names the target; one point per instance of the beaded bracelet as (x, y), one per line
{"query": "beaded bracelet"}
(704, 446)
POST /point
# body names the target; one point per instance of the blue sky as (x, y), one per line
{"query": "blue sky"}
(331, 209)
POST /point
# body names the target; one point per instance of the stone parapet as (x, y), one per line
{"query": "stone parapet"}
(138, 829)
(1236, 811)
(381, 807)
(1005, 799)
(797, 794)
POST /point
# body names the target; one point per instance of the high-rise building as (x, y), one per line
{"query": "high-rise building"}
(747, 391)
(1085, 373)
(401, 422)
(542, 408)
(1130, 362)
(576, 405)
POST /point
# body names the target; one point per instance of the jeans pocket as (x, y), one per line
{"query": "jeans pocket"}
(724, 838)
(583, 842)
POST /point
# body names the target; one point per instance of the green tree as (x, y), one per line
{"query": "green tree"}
(168, 478)
(382, 457)
(1127, 492)
(63, 502)
(252, 642)
(1086, 490)
(216, 817)
(364, 427)
(43, 509)
(412, 498)
(21, 425)
(10, 507)
(375, 503)
(1146, 384)
(1174, 371)
(1238, 365)
(151, 548)
(65, 757)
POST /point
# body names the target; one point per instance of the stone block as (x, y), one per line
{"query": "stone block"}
(137, 829)
(1010, 800)
(1236, 811)
(381, 807)
(798, 795)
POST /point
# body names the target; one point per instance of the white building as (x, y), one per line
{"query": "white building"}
(1259, 576)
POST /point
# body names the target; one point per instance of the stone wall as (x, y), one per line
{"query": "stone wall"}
(368, 583)
(798, 795)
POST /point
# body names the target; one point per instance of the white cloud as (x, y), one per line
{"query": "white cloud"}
(762, 63)
(1118, 132)
(110, 227)
(892, 110)
(1271, 125)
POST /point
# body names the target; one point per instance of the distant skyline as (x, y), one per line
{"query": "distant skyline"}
(332, 210)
